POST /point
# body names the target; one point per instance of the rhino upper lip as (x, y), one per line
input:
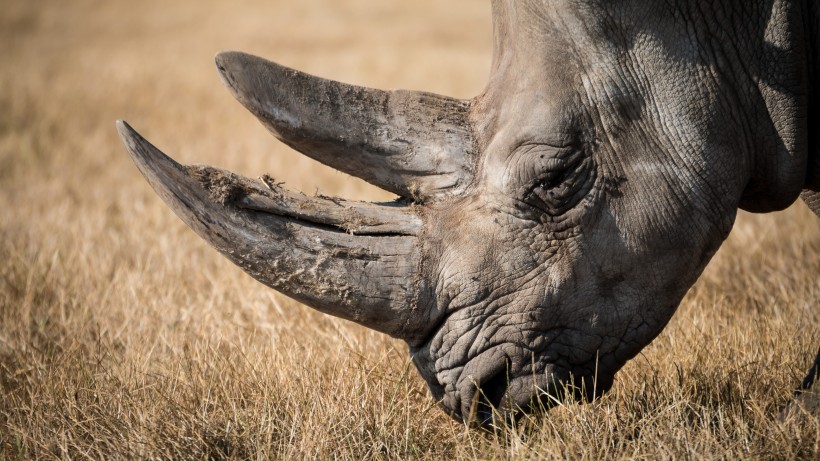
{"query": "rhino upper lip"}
(488, 378)
(512, 394)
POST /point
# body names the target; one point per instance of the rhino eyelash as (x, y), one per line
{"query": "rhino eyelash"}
(553, 181)
(557, 177)
(560, 190)
(546, 191)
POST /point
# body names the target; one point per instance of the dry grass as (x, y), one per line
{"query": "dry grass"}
(123, 335)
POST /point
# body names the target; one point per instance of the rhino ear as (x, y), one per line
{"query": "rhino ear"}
(811, 189)
(416, 145)
(775, 184)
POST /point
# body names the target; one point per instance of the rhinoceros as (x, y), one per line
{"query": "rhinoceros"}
(546, 230)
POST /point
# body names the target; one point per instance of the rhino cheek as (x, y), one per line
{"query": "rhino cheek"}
(580, 312)
(500, 340)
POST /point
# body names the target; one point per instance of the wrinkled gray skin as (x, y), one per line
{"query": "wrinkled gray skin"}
(548, 228)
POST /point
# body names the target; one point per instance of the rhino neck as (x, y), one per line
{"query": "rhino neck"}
(774, 54)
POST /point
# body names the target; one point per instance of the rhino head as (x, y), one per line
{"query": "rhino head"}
(546, 230)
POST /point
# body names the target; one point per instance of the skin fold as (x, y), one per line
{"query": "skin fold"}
(547, 229)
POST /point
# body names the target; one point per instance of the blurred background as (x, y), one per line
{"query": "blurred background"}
(151, 62)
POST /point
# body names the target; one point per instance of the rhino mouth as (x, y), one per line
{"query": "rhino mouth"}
(494, 388)
(501, 397)
(507, 398)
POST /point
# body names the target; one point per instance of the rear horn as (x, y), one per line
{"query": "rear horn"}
(416, 145)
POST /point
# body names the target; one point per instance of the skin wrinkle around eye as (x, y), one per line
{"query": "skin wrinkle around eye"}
(530, 161)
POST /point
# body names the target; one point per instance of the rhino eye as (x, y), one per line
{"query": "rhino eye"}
(552, 180)
(561, 181)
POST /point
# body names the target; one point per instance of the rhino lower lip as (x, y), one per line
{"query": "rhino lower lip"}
(504, 397)
(501, 395)
(491, 387)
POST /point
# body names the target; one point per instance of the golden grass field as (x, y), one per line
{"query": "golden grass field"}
(122, 335)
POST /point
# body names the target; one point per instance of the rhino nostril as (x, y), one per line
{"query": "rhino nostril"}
(495, 388)
(489, 397)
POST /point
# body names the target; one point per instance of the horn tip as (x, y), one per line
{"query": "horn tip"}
(231, 66)
(150, 160)
(132, 140)
(223, 59)
(228, 62)
(123, 128)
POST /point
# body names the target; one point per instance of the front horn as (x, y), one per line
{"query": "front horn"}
(414, 144)
(358, 261)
